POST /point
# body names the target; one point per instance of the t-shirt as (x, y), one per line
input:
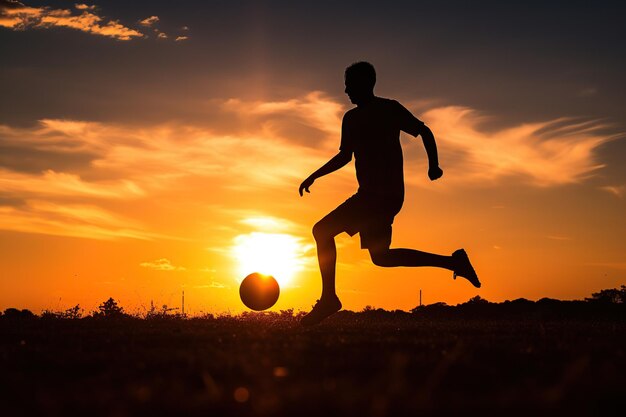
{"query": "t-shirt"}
(372, 132)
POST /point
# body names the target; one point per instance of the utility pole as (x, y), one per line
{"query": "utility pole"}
(183, 306)
(420, 297)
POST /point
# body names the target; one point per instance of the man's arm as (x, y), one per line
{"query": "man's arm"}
(336, 162)
(430, 145)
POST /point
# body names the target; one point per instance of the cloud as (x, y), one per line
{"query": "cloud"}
(68, 219)
(51, 183)
(17, 16)
(266, 223)
(616, 190)
(88, 179)
(181, 38)
(313, 120)
(213, 284)
(549, 153)
(120, 169)
(81, 6)
(162, 264)
(162, 35)
(149, 21)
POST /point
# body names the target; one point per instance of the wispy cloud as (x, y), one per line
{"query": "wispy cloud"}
(51, 183)
(82, 6)
(181, 38)
(17, 16)
(127, 167)
(73, 220)
(87, 179)
(213, 284)
(308, 120)
(149, 21)
(268, 223)
(550, 153)
(162, 264)
(617, 190)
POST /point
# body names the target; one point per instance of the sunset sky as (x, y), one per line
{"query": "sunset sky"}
(151, 147)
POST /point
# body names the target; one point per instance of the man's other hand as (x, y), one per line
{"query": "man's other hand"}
(305, 185)
(434, 173)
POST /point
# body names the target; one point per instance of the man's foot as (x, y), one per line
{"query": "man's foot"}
(324, 308)
(463, 267)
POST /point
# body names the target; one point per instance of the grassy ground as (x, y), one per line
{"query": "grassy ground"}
(355, 364)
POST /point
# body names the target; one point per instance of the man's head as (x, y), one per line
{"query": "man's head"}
(360, 79)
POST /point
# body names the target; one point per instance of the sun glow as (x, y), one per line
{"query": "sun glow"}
(277, 254)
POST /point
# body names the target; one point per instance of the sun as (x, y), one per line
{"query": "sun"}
(277, 254)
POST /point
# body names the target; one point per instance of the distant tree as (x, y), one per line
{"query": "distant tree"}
(477, 300)
(109, 309)
(49, 314)
(27, 314)
(14, 313)
(75, 312)
(11, 312)
(71, 313)
(609, 296)
(440, 305)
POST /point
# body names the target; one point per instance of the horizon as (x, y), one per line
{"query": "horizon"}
(183, 310)
(147, 149)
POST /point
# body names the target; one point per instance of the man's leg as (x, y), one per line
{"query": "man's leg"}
(459, 263)
(324, 233)
(409, 257)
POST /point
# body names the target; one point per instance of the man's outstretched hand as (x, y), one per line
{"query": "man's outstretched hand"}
(305, 185)
(434, 173)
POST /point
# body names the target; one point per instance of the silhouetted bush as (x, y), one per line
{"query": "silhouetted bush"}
(609, 296)
(109, 310)
(435, 309)
(477, 300)
(14, 313)
(49, 314)
(71, 313)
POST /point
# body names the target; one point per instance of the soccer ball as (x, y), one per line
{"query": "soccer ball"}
(258, 291)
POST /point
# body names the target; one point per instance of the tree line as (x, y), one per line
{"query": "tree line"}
(607, 300)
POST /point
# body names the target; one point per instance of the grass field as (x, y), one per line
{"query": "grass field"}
(354, 364)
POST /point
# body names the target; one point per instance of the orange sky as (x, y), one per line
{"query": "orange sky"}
(161, 209)
(143, 153)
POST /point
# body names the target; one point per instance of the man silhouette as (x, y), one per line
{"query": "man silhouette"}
(371, 131)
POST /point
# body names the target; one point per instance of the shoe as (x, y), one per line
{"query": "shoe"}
(322, 309)
(463, 267)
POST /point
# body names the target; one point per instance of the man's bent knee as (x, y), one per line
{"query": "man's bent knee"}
(380, 257)
(326, 230)
(321, 232)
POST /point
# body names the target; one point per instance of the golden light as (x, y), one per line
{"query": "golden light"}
(276, 254)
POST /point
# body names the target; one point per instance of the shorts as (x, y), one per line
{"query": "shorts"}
(369, 215)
